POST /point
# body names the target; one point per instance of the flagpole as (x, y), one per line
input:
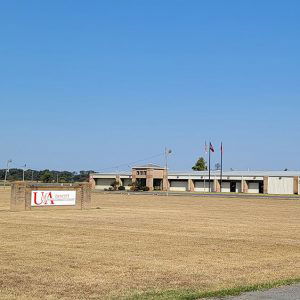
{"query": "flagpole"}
(221, 167)
(209, 167)
(205, 153)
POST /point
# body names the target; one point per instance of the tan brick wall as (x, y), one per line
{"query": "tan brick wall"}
(166, 184)
(149, 179)
(158, 173)
(133, 175)
(18, 195)
(92, 182)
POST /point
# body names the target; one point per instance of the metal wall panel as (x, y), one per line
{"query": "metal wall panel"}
(178, 185)
(199, 186)
(103, 183)
(226, 187)
(280, 185)
(126, 183)
(253, 187)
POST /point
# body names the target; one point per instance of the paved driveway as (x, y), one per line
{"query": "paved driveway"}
(291, 292)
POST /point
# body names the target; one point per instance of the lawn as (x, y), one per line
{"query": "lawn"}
(127, 245)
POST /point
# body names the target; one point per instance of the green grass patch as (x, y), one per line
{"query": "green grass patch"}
(194, 294)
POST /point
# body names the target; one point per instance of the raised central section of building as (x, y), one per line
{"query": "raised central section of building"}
(152, 176)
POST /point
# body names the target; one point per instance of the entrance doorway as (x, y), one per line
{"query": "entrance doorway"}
(261, 187)
(157, 184)
(141, 182)
(232, 187)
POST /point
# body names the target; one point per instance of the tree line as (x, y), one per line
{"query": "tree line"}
(45, 175)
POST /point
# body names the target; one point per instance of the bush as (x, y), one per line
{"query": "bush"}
(121, 188)
(115, 184)
(134, 186)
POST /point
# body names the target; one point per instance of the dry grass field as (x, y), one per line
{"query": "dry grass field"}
(130, 244)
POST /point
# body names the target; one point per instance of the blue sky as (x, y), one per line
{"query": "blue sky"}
(96, 84)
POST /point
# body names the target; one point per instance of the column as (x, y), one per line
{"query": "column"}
(149, 179)
(191, 186)
(266, 184)
(296, 185)
(18, 196)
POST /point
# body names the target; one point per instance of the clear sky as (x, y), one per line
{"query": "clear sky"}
(95, 84)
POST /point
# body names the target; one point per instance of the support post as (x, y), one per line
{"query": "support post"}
(266, 184)
(191, 186)
(296, 185)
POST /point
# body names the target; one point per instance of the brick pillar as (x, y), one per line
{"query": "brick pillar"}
(191, 186)
(217, 186)
(92, 182)
(86, 196)
(296, 185)
(133, 178)
(18, 196)
(165, 180)
(245, 186)
(266, 184)
(214, 185)
(149, 179)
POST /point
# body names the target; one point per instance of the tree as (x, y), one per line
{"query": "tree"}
(218, 166)
(200, 165)
(47, 176)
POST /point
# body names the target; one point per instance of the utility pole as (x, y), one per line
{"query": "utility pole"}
(24, 172)
(167, 152)
(209, 168)
(7, 171)
(205, 150)
(221, 174)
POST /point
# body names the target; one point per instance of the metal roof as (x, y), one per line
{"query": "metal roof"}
(213, 173)
(238, 173)
(147, 166)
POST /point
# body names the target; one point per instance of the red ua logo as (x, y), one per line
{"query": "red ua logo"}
(42, 198)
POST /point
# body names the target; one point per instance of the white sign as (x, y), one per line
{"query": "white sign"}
(51, 198)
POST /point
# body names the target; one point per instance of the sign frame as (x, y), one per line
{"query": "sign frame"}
(42, 198)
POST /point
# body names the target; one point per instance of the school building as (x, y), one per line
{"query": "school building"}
(157, 178)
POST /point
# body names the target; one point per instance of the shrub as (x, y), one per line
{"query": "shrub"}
(121, 188)
(115, 184)
(145, 188)
(134, 186)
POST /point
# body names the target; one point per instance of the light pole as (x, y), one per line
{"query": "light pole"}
(167, 152)
(7, 170)
(24, 172)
